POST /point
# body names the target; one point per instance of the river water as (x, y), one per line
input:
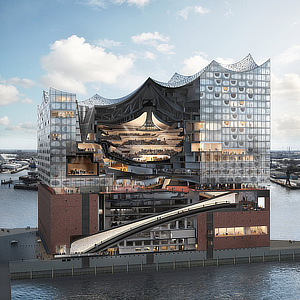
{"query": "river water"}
(256, 281)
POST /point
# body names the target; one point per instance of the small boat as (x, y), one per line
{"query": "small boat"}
(6, 181)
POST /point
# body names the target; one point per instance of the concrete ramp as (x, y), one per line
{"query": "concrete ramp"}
(104, 239)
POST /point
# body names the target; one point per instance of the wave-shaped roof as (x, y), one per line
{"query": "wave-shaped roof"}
(246, 64)
(177, 80)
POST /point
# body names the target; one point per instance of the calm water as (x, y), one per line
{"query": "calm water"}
(258, 281)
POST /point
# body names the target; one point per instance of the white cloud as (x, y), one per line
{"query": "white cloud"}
(156, 40)
(102, 4)
(73, 62)
(139, 3)
(184, 13)
(27, 101)
(228, 12)
(93, 4)
(148, 37)
(285, 106)
(199, 61)
(287, 125)
(27, 127)
(295, 23)
(62, 81)
(4, 121)
(194, 64)
(165, 48)
(201, 10)
(8, 94)
(288, 56)
(13, 128)
(150, 55)
(286, 88)
(26, 83)
(106, 43)
(225, 61)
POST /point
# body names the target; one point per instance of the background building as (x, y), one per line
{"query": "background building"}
(98, 157)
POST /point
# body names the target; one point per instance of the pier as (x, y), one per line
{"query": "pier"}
(295, 184)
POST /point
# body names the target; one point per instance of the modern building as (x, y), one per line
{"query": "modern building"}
(107, 162)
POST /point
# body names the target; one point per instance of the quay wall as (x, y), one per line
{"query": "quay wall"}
(146, 261)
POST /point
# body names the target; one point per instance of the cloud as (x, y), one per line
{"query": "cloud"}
(194, 64)
(150, 55)
(73, 62)
(139, 3)
(295, 23)
(199, 61)
(102, 4)
(26, 83)
(93, 4)
(8, 94)
(27, 126)
(62, 81)
(156, 40)
(287, 125)
(4, 121)
(228, 12)
(27, 101)
(148, 37)
(196, 9)
(106, 43)
(288, 56)
(285, 106)
(225, 61)
(286, 88)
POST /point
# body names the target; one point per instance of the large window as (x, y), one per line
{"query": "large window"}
(238, 231)
(62, 114)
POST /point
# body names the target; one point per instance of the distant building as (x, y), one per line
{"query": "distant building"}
(99, 158)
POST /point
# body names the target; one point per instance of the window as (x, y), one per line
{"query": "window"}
(240, 231)
(56, 136)
(62, 114)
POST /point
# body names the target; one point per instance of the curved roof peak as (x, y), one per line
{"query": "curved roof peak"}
(98, 100)
(246, 64)
(177, 80)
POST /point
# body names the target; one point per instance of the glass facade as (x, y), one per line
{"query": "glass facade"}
(230, 136)
(211, 129)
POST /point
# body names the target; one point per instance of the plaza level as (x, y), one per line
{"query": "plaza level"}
(172, 166)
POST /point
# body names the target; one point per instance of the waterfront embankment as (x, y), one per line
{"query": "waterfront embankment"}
(37, 264)
(294, 184)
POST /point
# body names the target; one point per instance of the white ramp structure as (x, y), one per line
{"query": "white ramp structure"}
(104, 239)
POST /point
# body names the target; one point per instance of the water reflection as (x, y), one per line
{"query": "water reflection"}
(257, 281)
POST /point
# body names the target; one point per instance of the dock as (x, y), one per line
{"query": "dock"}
(295, 184)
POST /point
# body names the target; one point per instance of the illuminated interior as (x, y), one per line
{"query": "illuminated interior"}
(81, 165)
(240, 231)
(132, 141)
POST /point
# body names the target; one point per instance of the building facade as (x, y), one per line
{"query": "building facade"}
(194, 133)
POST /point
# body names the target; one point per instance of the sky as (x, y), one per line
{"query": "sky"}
(110, 47)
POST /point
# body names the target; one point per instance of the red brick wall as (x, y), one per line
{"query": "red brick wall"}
(93, 213)
(44, 216)
(66, 219)
(202, 231)
(60, 217)
(242, 219)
